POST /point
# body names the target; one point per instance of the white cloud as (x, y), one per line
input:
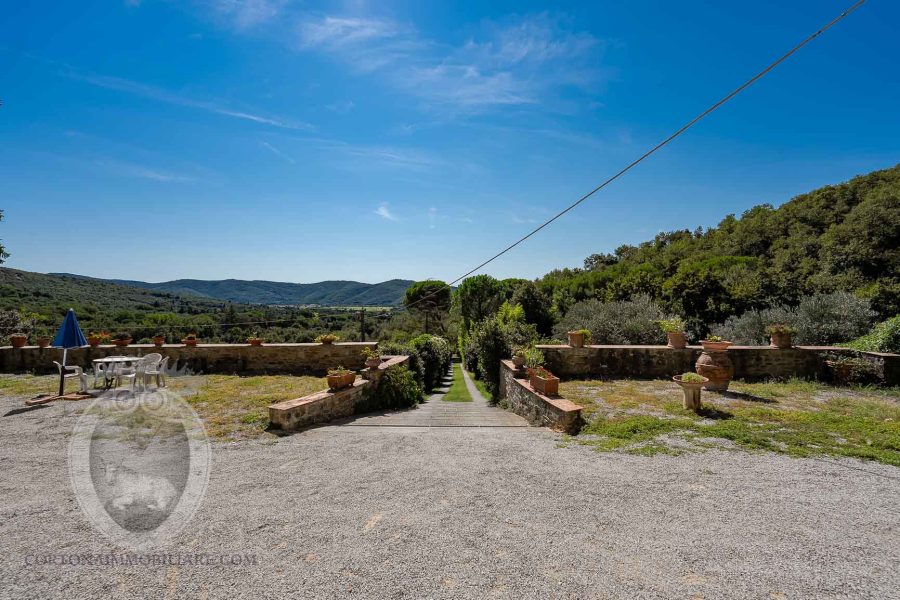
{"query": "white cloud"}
(518, 61)
(277, 152)
(247, 13)
(341, 107)
(383, 212)
(161, 95)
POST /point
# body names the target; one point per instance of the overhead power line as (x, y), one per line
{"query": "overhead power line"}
(658, 146)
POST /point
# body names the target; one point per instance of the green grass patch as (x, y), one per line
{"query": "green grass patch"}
(479, 385)
(458, 391)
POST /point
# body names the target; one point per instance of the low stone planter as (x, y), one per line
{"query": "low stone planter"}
(714, 346)
(338, 382)
(691, 390)
(548, 386)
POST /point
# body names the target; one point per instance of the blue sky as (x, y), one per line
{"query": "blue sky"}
(301, 141)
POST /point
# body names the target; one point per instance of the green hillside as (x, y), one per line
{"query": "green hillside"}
(327, 293)
(842, 237)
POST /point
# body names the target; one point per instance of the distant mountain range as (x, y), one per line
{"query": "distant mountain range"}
(327, 293)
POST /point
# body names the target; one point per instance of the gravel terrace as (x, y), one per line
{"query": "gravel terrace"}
(406, 512)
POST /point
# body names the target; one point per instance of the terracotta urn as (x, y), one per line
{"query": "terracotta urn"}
(676, 340)
(189, 342)
(255, 341)
(159, 340)
(43, 341)
(18, 340)
(717, 368)
(781, 340)
(94, 341)
(120, 343)
(373, 362)
(576, 339)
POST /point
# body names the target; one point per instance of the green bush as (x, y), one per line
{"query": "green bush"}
(884, 337)
(436, 355)
(492, 341)
(632, 321)
(415, 361)
(397, 389)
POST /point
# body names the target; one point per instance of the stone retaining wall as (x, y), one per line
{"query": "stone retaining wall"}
(204, 358)
(750, 362)
(328, 405)
(544, 411)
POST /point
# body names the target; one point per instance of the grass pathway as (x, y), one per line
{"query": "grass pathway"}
(459, 389)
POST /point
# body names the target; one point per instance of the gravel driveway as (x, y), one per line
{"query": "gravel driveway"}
(399, 512)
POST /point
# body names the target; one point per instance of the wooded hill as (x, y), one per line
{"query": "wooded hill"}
(841, 237)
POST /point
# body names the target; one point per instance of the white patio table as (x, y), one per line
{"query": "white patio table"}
(114, 365)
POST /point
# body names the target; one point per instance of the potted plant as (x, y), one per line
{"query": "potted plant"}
(544, 381)
(579, 337)
(715, 365)
(255, 340)
(673, 327)
(780, 335)
(518, 357)
(190, 340)
(373, 359)
(18, 340)
(122, 339)
(95, 339)
(158, 340)
(339, 378)
(715, 343)
(691, 384)
(327, 338)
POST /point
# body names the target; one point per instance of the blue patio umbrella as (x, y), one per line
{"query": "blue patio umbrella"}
(68, 336)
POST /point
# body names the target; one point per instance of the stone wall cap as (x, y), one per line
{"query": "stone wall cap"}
(315, 397)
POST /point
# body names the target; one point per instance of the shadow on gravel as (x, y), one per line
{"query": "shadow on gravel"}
(24, 409)
(710, 412)
(748, 397)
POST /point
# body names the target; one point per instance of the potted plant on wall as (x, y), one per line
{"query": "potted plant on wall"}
(95, 339)
(190, 340)
(715, 343)
(255, 339)
(122, 339)
(328, 338)
(579, 337)
(339, 378)
(780, 335)
(159, 339)
(18, 340)
(691, 385)
(44, 338)
(544, 382)
(673, 327)
(373, 359)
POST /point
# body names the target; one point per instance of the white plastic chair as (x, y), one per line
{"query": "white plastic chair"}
(72, 372)
(102, 373)
(159, 371)
(138, 372)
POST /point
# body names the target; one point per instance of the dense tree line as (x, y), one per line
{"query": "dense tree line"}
(837, 238)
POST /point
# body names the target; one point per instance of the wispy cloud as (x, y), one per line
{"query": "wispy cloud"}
(385, 213)
(277, 152)
(161, 95)
(517, 61)
(243, 14)
(341, 107)
(126, 169)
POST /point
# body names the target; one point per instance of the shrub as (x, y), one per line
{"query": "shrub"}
(818, 320)
(671, 325)
(632, 321)
(397, 389)
(415, 361)
(692, 378)
(492, 341)
(436, 355)
(884, 337)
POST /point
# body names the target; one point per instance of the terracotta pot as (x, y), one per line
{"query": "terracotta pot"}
(782, 341)
(255, 341)
(18, 340)
(548, 386)
(717, 367)
(714, 346)
(518, 361)
(328, 342)
(189, 343)
(373, 362)
(93, 342)
(691, 392)
(159, 341)
(676, 340)
(43, 341)
(338, 382)
(121, 343)
(576, 339)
